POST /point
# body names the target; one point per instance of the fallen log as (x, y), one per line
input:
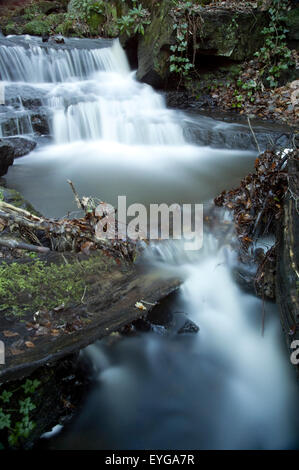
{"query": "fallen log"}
(287, 268)
(69, 290)
(105, 302)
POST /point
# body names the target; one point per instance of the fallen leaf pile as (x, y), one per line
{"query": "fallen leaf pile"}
(257, 202)
(278, 104)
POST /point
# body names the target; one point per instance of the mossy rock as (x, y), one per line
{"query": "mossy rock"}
(153, 48)
(44, 7)
(236, 36)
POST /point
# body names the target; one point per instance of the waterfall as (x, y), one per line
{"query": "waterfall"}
(228, 387)
(91, 94)
(37, 64)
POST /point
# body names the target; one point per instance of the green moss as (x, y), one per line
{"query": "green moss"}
(94, 22)
(37, 27)
(32, 285)
(11, 28)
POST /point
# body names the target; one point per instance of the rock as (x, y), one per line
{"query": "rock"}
(27, 96)
(21, 145)
(153, 48)
(57, 39)
(40, 123)
(188, 327)
(184, 100)
(45, 37)
(6, 156)
(219, 34)
(225, 34)
(166, 322)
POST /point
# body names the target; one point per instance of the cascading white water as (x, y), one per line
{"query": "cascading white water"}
(98, 97)
(37, 64)
(226, 388)
(138, 118)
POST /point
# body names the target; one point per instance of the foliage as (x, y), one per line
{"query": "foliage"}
(85, 8)
(275, 56)
(135, 21)
(186, 22)
(17, 421)
(245, 90)
(179, 62)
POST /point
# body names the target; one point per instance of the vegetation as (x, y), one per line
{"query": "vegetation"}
(16, 421)
(275, 56)
(135, 21)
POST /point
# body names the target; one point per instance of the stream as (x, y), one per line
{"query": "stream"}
(226, 387)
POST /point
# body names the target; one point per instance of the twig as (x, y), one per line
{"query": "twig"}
(250, 127)
(14, 244)
(77, 199)
(82, 298)
(11, 208)
(149, 303)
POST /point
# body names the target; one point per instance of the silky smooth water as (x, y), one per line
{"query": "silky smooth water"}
(228, 387)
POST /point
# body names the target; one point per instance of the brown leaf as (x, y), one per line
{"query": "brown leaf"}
(29, 344)
(10, 334)
(54, 332)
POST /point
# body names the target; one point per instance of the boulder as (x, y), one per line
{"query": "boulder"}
(153, 48)
(40, 123)
(6, 156)
(21, 145)
(233, 35)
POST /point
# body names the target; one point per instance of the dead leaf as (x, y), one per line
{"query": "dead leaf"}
(10, 334)
(29, 344)
(54, 332)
